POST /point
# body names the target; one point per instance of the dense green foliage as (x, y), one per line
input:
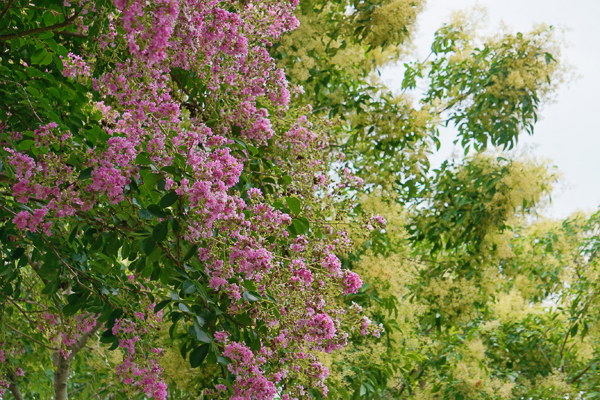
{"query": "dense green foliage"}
(479, 296)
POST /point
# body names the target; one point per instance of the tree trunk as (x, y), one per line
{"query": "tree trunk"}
(14, 389)
(62, 366)
(61, 376)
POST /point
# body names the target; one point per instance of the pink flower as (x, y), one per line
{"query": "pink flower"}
(352, 282)
(21, 219)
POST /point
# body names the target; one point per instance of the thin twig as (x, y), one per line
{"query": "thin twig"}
(3, 13)
(24, 91)
(21, 310)
(71, 34)
(576, 378)
(544, 354)
(67, 22)
(29, 337)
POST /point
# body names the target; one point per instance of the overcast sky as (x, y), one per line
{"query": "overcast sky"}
(569, 131)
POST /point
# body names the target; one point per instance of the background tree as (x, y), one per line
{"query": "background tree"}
(470, 310)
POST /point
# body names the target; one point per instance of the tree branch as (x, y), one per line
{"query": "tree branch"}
(26, 95)
(29, 337)
(3, 13)
(62, 365)
(576, 378)
(83, 340)
(67, 22)
(69, 33)
(21, 310)
(544, 354)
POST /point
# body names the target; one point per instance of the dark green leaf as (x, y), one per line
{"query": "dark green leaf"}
(70, 309)
(148, 246)
(202, 336)
(301, 229)
(145, 214)
(175, 225)
(160, 231)
(86, 173)
(198, 355)
(152, 179)
(184, 308)
(168, 199)
(161, 305)
(156, 211)
(190, 252)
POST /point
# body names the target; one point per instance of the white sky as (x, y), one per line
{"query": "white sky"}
(569, 130)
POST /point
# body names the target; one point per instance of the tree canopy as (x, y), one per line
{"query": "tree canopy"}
(219, 199)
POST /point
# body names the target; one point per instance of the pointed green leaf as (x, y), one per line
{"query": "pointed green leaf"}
(168, 199)
(198, 355)
(148, 246)
(156, 211)
(294, 205)
(189, 287)
(160, 231)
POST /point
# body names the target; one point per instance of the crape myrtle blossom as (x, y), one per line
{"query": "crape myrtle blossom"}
(140, 366)
(267, 256)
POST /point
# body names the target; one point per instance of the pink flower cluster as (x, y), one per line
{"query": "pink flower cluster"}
(148, 38)
(149, 133)
(251, 382)
(140, 366)
(67, 331)
(75, 66)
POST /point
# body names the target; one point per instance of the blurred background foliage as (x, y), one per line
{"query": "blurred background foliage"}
(480, 296)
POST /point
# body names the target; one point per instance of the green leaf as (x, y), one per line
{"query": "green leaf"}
(161, 305)
(363, 390)
(248, 296)
(202, 336)
(17, 253)
(301, 229)
(175, 225)
(145, 214)
(47, 59)
(70, 309)
(62, 51)
(198, 355)
(190, 252)
(7, 269)
(168, 199)
(86, 174)
(160, 231)
(294, 205)
(574, 329)
(189, 287)
(285, 179)
(38, 56)
(50, 288)
(156, 211)
(143, 160)
(155, 256)
(148, 246)
(25, 144)
(152, 179)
